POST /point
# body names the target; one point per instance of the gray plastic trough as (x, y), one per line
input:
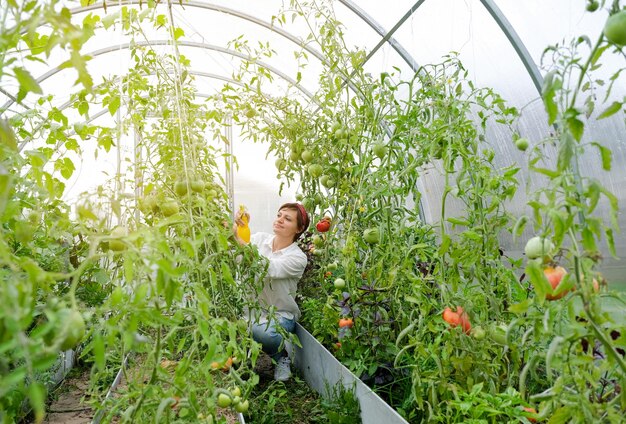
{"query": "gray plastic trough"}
(322, 371)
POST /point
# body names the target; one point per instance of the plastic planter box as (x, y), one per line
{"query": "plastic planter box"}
(322, 371)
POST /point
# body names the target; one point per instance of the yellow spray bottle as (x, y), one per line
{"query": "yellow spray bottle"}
(243, 231)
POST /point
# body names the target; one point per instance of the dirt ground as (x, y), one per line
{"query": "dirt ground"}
(67, 407)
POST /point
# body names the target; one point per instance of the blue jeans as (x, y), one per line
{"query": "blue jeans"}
(269, 338)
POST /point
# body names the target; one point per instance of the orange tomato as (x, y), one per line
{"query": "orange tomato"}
(450, 317)
(554, 276)
(176, 400)
(533, 411)
(228, 364)
(346, 322)
(464, 318)
(457, 318)
(225, 367)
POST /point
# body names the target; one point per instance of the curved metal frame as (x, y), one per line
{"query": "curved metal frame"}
(111, 49)
(386, 36)
(103, 111)
(228, 11)
(516, 42)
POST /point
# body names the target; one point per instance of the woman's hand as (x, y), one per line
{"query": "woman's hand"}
(238, 217)
(239, 222)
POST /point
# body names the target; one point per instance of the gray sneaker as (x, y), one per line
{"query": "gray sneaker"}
(282, 372)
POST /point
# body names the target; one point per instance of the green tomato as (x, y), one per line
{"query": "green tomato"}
(538, 247)
(340, 283)
(371, 235)
(223, 400)
(116, 244)
(380, 150)
(149, 204)
(309, 204)
(242, 406)
(327, 182)
(332, 266)
(307, 156)
(170, 206)
(592, 6)
(498, 334)
(294, 155)
(478, 333)
(236, 391)
(281, 164)
(340, 133)
(180, 187)
(315, 170)
(250, 112)
(522, 144)
(317, 241)
(197, 186)
(74, 330)
(615, 28)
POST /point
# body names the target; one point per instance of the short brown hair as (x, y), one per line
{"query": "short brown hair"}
(301, 215)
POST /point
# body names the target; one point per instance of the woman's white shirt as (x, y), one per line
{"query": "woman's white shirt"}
(286, 266)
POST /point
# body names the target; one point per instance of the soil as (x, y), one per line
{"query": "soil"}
(67, 406)
(291, 402)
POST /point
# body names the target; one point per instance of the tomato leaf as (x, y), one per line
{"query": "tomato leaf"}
(562, 415)
(554, 345)
(26, 81)
(610, 241)
(576, 127)
(178, 32)
(588, 240)
(519, 226)
(458, 221)
(606, 156)
(538, 280)
(611, 110)
(228, 277)
(566, 152)
(445, 244)
(520, 308)
(548, 94)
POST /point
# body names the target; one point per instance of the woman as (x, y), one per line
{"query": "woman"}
(286, 265)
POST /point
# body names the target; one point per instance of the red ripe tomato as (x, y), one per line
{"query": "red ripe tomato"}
(323, 225)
